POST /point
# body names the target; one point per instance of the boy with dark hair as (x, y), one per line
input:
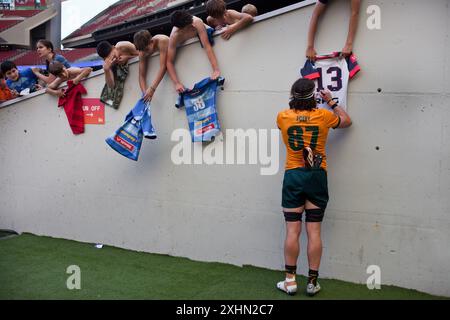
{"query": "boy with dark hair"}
(219, 17)
(187, 26)
(353, 25)
(147, 45)
(116, 69)
(65, 74)
(19, 81)
(119, 54)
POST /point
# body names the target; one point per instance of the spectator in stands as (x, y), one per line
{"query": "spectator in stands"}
(186, 26)
(250, 9)
(318, 11)
(219, 17)
(147, 45)
(116, 69)
(46, 51)
(5, 92)
(19, 81)
(65, 74)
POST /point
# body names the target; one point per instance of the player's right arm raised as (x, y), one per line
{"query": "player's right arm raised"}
(345, 120)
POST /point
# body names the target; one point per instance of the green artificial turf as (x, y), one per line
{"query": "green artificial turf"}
(33, 267)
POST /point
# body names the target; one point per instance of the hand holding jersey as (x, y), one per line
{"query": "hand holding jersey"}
(319, 9)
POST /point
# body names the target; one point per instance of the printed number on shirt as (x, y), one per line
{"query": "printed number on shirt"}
(336, 78)
(336, 82)
(199, 104)
(296, 139)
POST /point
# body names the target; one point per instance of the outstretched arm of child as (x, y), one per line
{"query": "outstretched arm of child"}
(150, 91)
(79, 73)
(203, 35)
(243, 20)
(55, 84)
(143, 65)
(353, 26)
(319, 9)
(171, 53)
(52, 88)
(47, 79)
(55, 92)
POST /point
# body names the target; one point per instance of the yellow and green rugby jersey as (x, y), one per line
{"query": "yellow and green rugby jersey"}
(305, 129)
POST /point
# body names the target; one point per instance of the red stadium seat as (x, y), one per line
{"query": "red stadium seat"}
(30, 57)
(19, 13)
(7, 55)
(6, 24)
(124, 10)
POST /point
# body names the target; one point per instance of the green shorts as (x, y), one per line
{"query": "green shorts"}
(301, 184)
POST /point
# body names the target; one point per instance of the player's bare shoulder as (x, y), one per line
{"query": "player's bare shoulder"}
(162, 41)
(198, 25)
(125, 47)
(196, 21)
(176, 36)
(232, 16)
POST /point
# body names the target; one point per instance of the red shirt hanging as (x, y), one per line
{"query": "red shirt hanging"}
(73, 106)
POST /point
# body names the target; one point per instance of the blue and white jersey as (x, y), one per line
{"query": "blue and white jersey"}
(141, 113)
(127, 140)
(200, 104)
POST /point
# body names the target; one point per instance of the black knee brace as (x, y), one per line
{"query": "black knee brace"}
(292, 216)
(314, 215)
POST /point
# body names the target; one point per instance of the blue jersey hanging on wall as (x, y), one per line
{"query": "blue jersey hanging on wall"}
(200, 103)
(127, 140)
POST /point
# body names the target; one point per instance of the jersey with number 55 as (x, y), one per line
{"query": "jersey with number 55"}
(305, 128)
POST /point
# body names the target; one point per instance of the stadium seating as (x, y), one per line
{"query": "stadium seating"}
(11, 14)
(6, 24)
(30, 57)
(77, 54)
(124, 10)
(6, 55)
(27, 57)
(19, 13)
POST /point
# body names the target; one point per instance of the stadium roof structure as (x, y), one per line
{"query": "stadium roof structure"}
(122, 19)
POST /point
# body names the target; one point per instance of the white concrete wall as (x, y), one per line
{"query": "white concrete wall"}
(389, 207)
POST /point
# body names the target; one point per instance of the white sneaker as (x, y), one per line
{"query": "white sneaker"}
(289, 289)
(311, 290)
